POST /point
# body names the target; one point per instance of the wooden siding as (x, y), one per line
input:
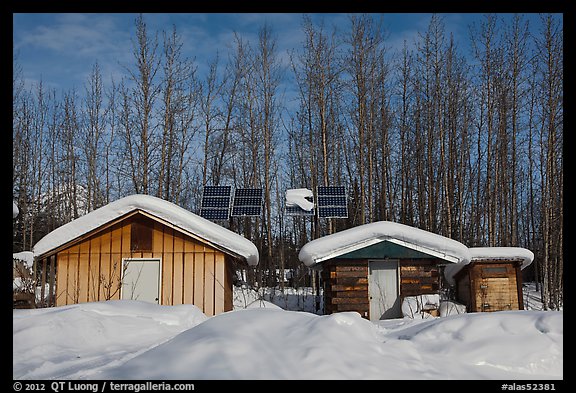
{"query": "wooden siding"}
(346, 286)
(192, 272)
(345, 282)
(419, 277)
(490, 286)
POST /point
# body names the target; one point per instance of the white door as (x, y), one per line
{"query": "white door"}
(141, 280)
(383, 290)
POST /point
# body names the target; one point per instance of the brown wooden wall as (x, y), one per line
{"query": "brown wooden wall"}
(192, 272)
(419, 277)
(490, 286)
(346, 282)
(346, 286)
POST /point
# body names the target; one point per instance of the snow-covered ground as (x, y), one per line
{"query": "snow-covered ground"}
(291, 299)
(260, 340)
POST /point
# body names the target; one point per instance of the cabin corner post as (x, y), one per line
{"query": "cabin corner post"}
(519, 286)
(52, 281)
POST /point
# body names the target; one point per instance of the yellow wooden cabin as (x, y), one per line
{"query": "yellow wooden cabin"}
(142, 248)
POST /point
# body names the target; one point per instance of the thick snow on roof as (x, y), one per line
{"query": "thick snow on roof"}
(492, 254)
(179, 217)
(352, 239)
(480, 253)
(297, 197)
(25, 256)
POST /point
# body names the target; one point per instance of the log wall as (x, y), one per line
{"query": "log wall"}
(346, 286)
(345, 282)
(419, 277)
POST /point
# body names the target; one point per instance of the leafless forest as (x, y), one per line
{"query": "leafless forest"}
(464, 143)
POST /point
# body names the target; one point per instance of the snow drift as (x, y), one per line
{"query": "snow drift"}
(73, 342)
(135, 340)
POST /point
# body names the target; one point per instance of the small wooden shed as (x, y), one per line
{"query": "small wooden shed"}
(492, 280)
(372, 268)
(23, 280)
(143, 248)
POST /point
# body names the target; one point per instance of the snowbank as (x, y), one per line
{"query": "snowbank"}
(418, 306)
(73, 342)
(448, 307)
(352, 239)
(276, 344)
(182, 218)
(504, 344)
(136, 340)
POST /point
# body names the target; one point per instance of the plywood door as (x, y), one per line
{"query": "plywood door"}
(383, 290)
(141, 280)
(497, 294)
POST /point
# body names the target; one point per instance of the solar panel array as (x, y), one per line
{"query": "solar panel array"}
(216, 202)
(247, 202)
(332, 202)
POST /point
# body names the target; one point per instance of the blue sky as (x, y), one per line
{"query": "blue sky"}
(60, 49)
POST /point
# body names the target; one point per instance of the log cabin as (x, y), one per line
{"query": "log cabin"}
(142, 248)
(373, 267)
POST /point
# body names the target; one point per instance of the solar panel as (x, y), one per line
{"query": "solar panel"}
(332, 202)
(247, 202)
(248, 192)
(246, 211)
(214, 214)
(216, 202)
(331, 190)
(298, 211)
(217, 191)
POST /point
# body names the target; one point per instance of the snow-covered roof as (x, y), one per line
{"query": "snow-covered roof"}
(297, 197)
(491, 254)
(495, 253)
(177, 216)
(25, 256)
(352, 239)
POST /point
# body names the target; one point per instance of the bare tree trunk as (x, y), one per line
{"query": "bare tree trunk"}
(143, 99)
(93, 138)
(208, 97)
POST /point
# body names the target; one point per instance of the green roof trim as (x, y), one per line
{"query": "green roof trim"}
(385, 249)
